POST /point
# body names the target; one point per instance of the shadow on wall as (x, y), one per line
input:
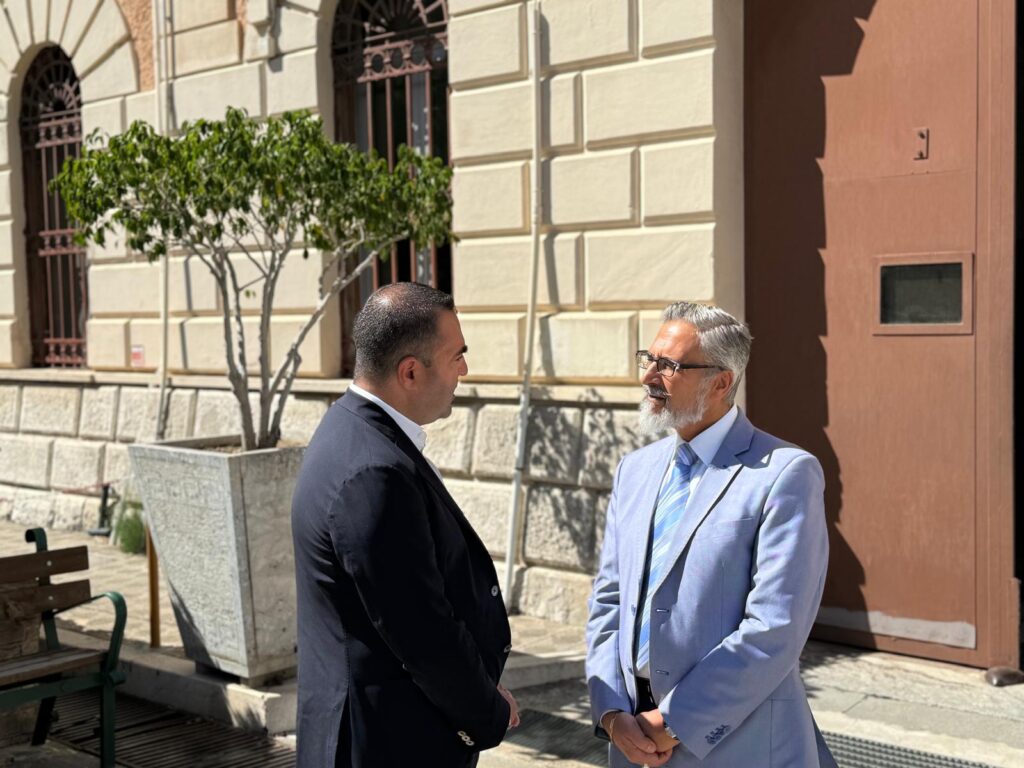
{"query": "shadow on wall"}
(789, 49)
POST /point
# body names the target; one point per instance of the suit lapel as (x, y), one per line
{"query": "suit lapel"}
(378, 418)
(712, 486)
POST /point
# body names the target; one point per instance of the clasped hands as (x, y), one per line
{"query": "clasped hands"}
(513, 707)
(641, 738)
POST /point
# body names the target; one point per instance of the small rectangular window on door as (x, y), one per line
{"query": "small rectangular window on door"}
(923, 294)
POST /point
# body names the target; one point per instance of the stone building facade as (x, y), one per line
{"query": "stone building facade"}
(642, 200)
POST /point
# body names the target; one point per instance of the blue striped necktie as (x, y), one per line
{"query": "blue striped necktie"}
(669, 511)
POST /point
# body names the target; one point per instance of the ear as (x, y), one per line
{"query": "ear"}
(407, 372)
(723, 383)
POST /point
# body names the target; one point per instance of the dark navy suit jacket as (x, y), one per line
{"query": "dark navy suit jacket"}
(402, 631)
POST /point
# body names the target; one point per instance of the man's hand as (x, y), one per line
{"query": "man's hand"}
(513, 708)
(653, 725)
(625, 733)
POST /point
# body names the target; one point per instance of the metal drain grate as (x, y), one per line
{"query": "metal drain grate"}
(151, 736)
(851, 752)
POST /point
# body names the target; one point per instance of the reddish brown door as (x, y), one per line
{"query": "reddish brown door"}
(872, 292)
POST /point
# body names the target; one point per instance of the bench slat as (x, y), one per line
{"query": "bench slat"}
(20, 603)
(41, 564)
(39, 665)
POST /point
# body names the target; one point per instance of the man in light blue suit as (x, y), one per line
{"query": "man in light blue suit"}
(711, 572)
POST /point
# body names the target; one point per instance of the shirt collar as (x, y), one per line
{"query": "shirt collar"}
(707, 443)
(412, 430)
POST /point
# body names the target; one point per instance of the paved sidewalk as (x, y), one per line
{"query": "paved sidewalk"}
(910, 703)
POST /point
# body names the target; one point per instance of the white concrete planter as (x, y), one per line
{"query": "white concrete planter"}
(221, 523)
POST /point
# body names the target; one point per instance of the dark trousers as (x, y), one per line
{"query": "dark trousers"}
(644, 698)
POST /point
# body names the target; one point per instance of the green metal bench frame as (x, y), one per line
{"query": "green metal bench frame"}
(47, 686)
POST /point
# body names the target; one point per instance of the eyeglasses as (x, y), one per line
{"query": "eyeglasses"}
(665, 366)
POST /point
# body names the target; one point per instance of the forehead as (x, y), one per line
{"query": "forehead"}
(449, 330)
(675, 339)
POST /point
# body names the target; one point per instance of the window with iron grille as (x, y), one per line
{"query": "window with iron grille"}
(390, 62)
(51, 132)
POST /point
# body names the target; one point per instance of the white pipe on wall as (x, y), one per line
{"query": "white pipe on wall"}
(160, 57)
(536, 177)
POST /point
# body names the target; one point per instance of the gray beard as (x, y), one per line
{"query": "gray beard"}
(667, 420)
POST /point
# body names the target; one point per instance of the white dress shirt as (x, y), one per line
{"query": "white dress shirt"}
(412, 430)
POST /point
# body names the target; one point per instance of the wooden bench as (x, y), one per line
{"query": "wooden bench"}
(42, 676)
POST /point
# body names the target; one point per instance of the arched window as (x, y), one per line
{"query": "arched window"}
(51, 132)
(390, 88)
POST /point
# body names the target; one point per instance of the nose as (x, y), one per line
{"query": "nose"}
(464, 368)
(651, 376)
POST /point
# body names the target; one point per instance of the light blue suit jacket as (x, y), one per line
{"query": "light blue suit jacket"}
(730, 617)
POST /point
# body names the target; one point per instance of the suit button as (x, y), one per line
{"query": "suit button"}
(494, 591)
(508, 648)
(463, 735)
(470, 742)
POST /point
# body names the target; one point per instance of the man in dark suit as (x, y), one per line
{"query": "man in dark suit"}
(402, 630)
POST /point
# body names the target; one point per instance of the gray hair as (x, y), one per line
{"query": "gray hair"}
(724, 340)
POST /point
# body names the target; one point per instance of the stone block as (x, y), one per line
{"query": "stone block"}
(74, 513)
(578, 31)
(136, 409)
(6, 242)
(624, 103)
(78, 19)
(556, 595)
(487, 47)
(117, 471)
(494, 199)
(58, 18)
(191, 287)
(480, 124)
(5, 193)
(116, 75)
(140, 106)
(8, 307)
(145, 337)
(457, 7)
(17, 12)
(295, 30)
(124, 289)
(106, 32)
(486, 506)
(663, 168)
(553, 443)
(181, 409)
(647, 327)
(450, 441)
(495, 343)
(14, 349)
(686, 256)
(50, 410)
(210, 47)
(321, 350)
(105, 116)
(77, 466)
(114, 248)
(593, 189)
(216, 414)
(209, 94)
(302, 415)
(608, 435)
(495, 274)
(107, 344)
(291, 82)
(189, 14)
(3, 110)
(203, 344)
(671, 24)
(494, 447)
(586, 345)
(600, 521)
(25, 460)
(99, 413)
(297, 288)
(40, 11)
(32, 509)
(7, 493)
(563, 108)
(10, 407)
(10, 52)
(560, 527)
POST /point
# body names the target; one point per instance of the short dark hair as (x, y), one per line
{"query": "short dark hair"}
(397, 320)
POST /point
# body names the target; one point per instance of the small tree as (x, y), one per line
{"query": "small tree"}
(262, 191)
